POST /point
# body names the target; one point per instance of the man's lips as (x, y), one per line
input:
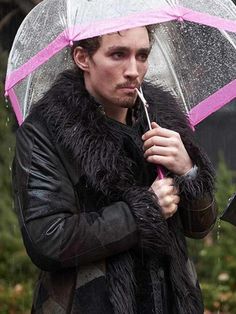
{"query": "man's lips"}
(129, 87)
(128, 90)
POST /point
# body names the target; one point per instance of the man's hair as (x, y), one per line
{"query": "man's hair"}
(91, 45)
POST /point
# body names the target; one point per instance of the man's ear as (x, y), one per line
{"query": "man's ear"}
(81, 58)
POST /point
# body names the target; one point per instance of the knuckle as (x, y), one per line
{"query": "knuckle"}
(170, 162)
(173, 134)
(169, 181)
(153, 149)
(176, 134)
(152, 141)
(176, 141)
(175, 150)
(155, 159)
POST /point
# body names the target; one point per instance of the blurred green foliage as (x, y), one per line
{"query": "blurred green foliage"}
(214, 256)
(16, 271)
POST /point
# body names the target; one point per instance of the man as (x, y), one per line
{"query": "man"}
(108, 234)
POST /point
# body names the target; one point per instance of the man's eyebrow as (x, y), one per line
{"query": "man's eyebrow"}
(112, 48)
(144, 50)
(125, 48)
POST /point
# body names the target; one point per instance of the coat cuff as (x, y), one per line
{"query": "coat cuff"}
(197, 183)
(197, 206)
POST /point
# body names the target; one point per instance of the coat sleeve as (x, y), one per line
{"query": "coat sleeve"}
(199, 218)
(197, 208)
(56, 233)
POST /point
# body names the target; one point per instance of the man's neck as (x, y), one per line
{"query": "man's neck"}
(118, 114)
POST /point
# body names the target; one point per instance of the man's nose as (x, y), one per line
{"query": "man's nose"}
(131, 70)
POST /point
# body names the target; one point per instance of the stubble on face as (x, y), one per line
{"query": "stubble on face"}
(127, 101)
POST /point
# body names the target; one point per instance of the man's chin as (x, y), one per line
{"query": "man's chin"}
(127, 102)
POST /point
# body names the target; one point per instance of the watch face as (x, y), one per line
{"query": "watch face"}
(229, 214)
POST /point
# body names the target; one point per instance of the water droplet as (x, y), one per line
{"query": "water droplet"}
(218, 229)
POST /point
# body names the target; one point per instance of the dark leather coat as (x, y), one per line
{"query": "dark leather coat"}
(73, 221)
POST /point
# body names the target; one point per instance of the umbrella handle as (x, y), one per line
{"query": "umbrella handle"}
(160, 172)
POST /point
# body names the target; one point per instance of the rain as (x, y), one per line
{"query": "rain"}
(215, 255)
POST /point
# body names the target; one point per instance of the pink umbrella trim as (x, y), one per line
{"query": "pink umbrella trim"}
(107, 26)
(196, 115)
(212, 103)
(15, 105)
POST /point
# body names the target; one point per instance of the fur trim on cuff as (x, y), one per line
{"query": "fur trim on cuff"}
(201, 185)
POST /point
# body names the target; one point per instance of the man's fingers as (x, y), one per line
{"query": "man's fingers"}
(167, 196)
(156, 141)
(154, 125)
(158, 151)
(169, 200)
(158, 131)
(151, 132)
(169, 211)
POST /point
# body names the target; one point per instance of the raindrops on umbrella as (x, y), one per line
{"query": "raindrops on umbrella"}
(193, 52)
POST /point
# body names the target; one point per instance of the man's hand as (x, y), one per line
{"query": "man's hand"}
(167, 196)
(165, 147)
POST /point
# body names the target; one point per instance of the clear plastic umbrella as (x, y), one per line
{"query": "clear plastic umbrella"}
(193, 52)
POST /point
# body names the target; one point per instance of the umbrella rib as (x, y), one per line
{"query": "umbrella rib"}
(226, 35)
(145, 106)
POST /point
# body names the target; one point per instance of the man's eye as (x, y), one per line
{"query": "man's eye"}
(117, 55)
(143, 57)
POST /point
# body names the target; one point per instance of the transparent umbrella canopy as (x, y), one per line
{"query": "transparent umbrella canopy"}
(193, 54)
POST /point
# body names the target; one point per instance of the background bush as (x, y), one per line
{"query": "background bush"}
(215, 256)
(17, 273)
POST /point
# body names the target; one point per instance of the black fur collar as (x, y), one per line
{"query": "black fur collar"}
(95, 142)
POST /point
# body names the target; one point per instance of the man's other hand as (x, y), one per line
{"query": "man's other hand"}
(167, 196)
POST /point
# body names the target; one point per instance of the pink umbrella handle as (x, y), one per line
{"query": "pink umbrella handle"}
(160, 172)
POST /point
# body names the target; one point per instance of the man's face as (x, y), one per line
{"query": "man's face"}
(118, 67)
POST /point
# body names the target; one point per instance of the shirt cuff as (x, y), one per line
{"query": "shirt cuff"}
(192, 173)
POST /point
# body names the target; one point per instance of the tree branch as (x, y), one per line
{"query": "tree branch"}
(6, 19)
(26, 5)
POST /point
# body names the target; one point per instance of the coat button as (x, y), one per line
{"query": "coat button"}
(161, 273)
